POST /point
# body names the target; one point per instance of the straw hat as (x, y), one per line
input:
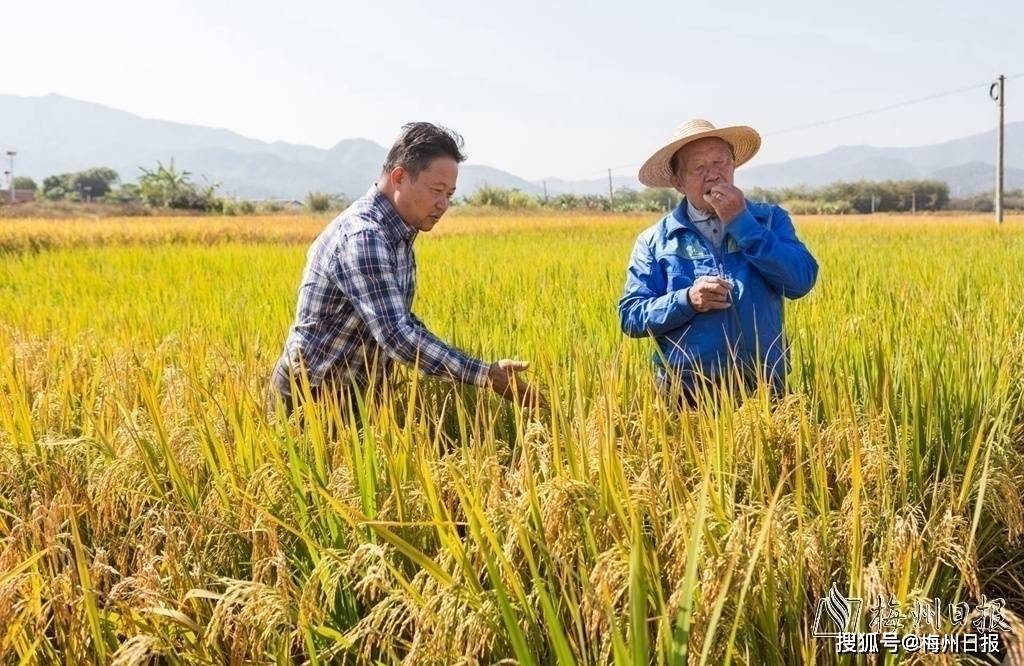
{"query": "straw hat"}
(656, 171)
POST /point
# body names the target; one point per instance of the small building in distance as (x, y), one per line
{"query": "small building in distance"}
(20, 196)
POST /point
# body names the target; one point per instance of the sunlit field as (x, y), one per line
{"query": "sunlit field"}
(152, 512)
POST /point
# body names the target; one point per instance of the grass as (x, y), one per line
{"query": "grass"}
(151, 512)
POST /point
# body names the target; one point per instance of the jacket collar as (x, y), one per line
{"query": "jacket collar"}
(679, 219)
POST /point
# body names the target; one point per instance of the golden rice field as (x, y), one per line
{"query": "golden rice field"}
(151, 512)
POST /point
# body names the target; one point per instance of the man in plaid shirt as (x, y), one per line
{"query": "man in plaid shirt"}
(354, 312)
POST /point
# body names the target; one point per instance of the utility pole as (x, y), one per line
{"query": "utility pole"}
(997, 92)
(545, 191)
(872, 202)
(10, 159)
(611, 197)
(913, 202)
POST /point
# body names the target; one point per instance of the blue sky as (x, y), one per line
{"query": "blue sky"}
(537, 88)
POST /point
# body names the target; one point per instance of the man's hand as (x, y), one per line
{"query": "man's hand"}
(502, 378)
(727, 200)
(710, 292)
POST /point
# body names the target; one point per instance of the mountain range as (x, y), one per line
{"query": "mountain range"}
(967, 164)
(56, 134)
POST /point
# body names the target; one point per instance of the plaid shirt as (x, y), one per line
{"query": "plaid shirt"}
(354, 310)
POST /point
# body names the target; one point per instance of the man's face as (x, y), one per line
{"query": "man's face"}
(421, 201)
(699, 166)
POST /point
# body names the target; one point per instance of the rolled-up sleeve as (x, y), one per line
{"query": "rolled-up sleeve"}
(647, 307)
(368, 278)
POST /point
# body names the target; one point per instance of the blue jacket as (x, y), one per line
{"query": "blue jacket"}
(762, 256)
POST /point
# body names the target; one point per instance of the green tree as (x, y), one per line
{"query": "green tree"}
(166, 187)
(626, 199)
(659, 198)
(56, 187)
(861, 196)
(163, 186)
(96, 182)
(25, 183)
(566, 201)
(488, 195)
(125, 194)
(318, 202)
(518, 200)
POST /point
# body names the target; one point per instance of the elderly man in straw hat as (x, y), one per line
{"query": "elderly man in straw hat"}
(708, 280)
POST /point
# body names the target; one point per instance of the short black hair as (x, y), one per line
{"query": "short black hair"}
(419, 143)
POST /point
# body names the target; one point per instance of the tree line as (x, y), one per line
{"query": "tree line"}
(839, 198)
(168, 187)
(162, 187)
(623, 199)
(864, 196)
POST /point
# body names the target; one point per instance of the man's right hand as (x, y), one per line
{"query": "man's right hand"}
(710, 292)
(502, 378)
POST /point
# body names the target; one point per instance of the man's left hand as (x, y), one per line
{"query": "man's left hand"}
(504, 380)
(727, 200)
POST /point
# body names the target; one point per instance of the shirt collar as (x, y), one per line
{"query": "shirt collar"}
(697, 215)
(680, 218)
(389, 215)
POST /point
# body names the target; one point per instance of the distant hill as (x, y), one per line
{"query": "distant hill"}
(558, 186)
(55, 134)
(967, 164)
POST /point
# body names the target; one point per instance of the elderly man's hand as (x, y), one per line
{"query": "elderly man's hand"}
(710, 292)
(727, 200)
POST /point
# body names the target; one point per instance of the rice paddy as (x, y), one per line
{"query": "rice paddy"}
(152, 512)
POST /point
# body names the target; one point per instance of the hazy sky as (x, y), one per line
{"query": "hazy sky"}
(536, 88)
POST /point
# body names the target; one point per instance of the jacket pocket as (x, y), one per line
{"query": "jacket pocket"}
(678, 279)
(701, 343)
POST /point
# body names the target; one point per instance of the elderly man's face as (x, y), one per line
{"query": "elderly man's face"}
(699, 166)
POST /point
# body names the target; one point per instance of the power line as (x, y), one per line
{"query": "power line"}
(858, 114)
(888, 107)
